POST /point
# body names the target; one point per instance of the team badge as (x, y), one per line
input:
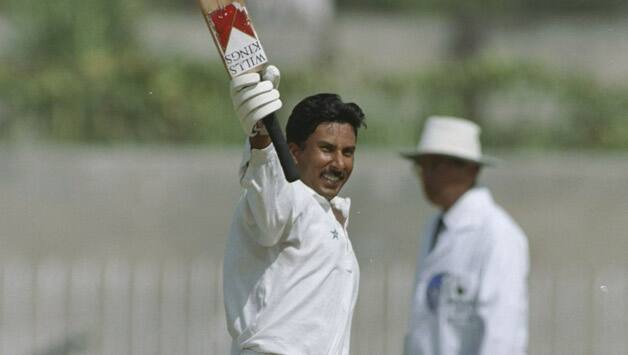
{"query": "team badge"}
(434, 288)
(334, 234)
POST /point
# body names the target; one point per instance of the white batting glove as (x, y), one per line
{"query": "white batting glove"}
(254, 99)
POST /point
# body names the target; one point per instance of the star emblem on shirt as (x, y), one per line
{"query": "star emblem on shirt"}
(334, 234)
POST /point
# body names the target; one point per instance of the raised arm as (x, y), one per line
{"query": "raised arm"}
(269, 198)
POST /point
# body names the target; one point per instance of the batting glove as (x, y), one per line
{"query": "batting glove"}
(254, 99)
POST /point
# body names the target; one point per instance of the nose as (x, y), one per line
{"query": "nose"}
(338, 161)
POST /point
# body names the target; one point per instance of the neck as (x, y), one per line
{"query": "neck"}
(451, 197)
(341, 219)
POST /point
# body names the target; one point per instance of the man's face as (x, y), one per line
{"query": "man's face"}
(444, 178)
(325, 161)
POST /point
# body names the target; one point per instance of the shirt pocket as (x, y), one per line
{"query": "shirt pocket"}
(459, 299)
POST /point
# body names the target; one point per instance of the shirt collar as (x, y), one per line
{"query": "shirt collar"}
(467, 209)
(340, 204)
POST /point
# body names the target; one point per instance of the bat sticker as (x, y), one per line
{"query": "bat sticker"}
(236, 39)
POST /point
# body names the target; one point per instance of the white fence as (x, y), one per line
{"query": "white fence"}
(111, 307)
(123, 307)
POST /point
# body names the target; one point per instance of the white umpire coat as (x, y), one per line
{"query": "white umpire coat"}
(290, 273)
(470, 293)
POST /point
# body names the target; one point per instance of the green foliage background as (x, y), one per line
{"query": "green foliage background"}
(77, 75)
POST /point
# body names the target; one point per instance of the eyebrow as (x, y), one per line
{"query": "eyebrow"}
(324, 143)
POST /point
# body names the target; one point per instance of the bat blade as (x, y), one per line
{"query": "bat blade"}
(241, 52)
(234, 36)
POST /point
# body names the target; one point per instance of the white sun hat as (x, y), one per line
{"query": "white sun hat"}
(451, 136)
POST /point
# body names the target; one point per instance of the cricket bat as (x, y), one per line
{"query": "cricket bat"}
(241, 52)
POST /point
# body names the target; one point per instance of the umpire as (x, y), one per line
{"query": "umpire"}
(470, 294)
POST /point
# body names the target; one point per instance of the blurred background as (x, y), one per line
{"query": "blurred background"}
(119, 151)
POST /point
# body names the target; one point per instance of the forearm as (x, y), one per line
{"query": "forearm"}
(269, 197)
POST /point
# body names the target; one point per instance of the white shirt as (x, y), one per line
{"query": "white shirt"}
(470, 294)
(290, 274)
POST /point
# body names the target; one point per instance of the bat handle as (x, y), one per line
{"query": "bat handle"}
(279, 141)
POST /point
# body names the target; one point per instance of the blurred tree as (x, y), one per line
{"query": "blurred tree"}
(469, 22)
(66, 53)
(506, 7)
(78, 74)
(310, 21)
(586, 7)
(66, 30)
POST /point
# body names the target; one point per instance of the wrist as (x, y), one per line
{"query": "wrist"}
(259, 141)
(259, 129)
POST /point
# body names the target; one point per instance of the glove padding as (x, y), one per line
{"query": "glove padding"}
(254, 99)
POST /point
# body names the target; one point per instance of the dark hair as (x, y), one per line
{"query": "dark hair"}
(321, 108)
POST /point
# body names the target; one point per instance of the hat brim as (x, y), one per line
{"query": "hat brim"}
(484, 160)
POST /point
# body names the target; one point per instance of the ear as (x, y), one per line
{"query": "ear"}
(295, 150)
(472, 171)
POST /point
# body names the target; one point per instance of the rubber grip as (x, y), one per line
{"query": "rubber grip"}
(281, 147)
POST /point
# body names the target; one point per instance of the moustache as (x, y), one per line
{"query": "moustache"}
(335, 173)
